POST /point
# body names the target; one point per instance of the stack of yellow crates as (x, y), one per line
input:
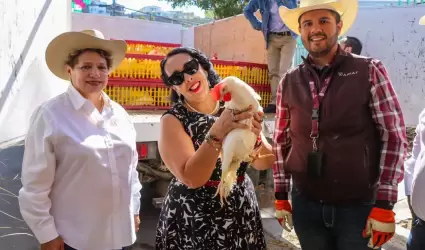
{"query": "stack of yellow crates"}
(136, 83)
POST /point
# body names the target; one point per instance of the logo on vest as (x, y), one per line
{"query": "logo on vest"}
(347, 74)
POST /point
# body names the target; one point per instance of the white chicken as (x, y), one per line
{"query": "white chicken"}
(239, 143)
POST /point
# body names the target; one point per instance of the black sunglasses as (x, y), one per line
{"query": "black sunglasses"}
(190, 68)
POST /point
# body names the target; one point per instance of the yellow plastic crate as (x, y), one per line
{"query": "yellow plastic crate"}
(154, 95)
(148, 67)
(149, 48)
(138, 68)
(139, 95)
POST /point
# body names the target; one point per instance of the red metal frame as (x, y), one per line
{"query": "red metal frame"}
(144, 56)
(239, 63)
(214, 62)
(172, 45)
(157, 83)
(122, 82)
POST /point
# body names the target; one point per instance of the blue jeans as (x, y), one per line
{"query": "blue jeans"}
(416, 239)
(329, 227)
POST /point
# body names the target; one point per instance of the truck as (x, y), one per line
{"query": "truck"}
(137, 86)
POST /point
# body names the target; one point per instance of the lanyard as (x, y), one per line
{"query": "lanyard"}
(316, 100)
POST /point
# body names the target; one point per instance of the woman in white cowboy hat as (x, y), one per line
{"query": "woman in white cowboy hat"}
(345, 172)
(80, 185)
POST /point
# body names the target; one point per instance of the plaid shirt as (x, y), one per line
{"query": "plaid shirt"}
(387, 115)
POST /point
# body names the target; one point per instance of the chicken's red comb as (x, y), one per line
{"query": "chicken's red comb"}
(216, 93)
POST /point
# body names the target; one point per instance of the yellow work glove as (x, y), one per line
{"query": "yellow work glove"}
(284, 214)
(380, 227)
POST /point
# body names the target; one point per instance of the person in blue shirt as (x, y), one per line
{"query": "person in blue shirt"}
(280, 41)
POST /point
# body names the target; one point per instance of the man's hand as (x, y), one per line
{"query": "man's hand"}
(380, 227)
(284, 214)
(56, 244)
(137, 223)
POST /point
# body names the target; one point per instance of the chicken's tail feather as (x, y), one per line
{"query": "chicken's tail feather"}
(228, 179)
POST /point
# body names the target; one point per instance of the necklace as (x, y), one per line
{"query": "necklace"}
(211, 113)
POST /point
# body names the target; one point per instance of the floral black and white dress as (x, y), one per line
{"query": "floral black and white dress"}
(194, 219)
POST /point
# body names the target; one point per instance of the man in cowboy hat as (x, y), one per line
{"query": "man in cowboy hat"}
(339, 134)
(414, 182)
(351, 44)
(80, 187)
(280, 41)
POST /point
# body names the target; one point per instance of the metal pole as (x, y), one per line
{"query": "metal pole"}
(113, 7)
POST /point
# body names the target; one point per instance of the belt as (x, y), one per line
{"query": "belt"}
(285, 33)
(212, 183)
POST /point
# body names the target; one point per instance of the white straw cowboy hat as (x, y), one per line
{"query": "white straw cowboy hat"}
(347, 9)
(422, 21)
(59, 48)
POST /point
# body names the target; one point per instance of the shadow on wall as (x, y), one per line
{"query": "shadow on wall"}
(34, 90)
(17, 68)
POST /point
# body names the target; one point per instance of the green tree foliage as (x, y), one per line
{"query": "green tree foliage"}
(219, 8)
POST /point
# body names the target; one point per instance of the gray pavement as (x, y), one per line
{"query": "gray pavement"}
(14, 233)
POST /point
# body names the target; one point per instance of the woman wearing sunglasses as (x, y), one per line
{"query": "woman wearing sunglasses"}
(189, 144)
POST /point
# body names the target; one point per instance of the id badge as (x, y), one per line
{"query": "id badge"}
(315, 164)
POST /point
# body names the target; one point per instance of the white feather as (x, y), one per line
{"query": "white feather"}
(239, 143)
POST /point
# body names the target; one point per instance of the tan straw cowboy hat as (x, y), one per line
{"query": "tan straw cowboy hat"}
(347, 9)
(60, 47)
(422, 21)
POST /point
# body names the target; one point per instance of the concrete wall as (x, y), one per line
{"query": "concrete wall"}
(396, 38)
(128, 28)
(25, 82)
(188, 37)
(232, 39)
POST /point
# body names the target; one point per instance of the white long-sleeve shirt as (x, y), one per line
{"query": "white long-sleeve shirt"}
(79, 174)
(414, 177)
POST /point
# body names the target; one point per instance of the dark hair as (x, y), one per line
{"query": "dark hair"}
(334, 13)
(72, 59)
(354, 43)
(213, 78)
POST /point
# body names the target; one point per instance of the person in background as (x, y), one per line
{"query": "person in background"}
(191, 137)
(414, 182)
(351, 44)
(280, 41)
(81, 189)
(345, 172)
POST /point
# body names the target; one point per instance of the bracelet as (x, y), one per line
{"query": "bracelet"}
(213, 141)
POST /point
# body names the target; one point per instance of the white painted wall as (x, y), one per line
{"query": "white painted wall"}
(25, 82)
(128, 28)
(394, 36)
(188, 37)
